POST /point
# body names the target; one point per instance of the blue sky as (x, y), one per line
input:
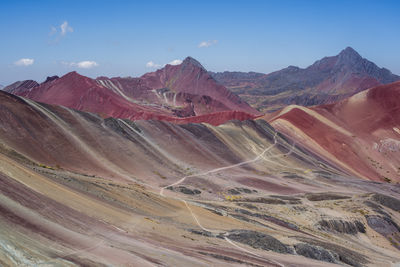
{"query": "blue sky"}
(119, 38)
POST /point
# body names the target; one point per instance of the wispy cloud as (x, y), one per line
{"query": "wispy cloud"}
(24, 62)
(207, 43)
(59, 32)
(151, 64)
(87, 64)
(65, 28)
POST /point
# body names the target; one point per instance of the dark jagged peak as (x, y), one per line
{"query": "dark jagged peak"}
(189, 61)
(348, 58)
(349, 51)
(349, 55)
(51, 78)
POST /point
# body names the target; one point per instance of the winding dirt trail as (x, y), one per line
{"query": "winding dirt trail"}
(258, 157)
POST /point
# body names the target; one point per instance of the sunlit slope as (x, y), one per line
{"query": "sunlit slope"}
(147, 151)
(76, 189)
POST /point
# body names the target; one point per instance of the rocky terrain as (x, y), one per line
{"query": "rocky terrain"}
(80, 189)
(20, 87)
(328, 80)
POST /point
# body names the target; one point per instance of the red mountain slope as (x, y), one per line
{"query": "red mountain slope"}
(361, 133)
(82, 93)
(191, 78)
(169, 94)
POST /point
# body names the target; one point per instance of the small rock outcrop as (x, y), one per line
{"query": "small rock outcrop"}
(185, 190)
(324, 196)
(387, 201)
(340, 226)
(315, 252)
(259, 241)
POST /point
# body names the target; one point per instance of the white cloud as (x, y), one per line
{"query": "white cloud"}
(175, 62)
(87, 64)
(65, 28)
(24, 62)
(207, 43)
(151, 64)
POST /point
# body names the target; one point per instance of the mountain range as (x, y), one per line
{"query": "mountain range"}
(328, 80)
(174, 169)
(187, 89)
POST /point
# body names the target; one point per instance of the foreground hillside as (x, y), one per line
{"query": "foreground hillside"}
(77, 189)
(328, 80)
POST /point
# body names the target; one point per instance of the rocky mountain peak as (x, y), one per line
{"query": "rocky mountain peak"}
(349, 56)
(189, 61)
(349, 51)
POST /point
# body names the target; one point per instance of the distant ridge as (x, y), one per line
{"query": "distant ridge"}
(328, 80)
